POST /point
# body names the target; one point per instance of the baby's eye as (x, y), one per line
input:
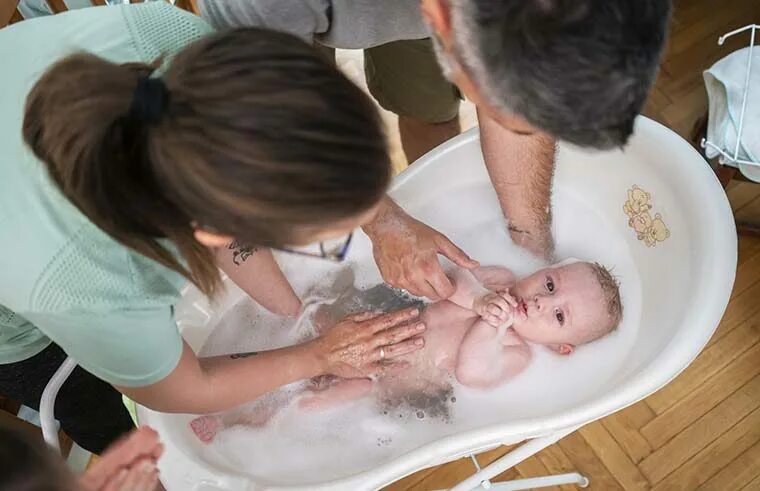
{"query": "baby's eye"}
(550, 285)
(560, 316)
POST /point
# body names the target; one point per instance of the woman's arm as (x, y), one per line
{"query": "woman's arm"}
(350, 349)
(257, 273)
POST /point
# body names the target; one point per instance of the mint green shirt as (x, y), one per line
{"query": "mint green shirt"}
(61, 278)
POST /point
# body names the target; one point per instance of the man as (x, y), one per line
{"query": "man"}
(537, 70)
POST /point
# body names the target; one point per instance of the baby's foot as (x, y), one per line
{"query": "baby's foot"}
(206, 427)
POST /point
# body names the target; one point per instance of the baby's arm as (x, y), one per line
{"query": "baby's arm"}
(257, 273)
(489, 356)
(476, 291)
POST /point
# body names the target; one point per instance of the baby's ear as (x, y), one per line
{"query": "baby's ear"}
(563, 349)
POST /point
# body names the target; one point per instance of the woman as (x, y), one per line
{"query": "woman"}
(30, 465)
(133, 181)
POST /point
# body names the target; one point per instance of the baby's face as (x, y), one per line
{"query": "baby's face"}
(561, 305)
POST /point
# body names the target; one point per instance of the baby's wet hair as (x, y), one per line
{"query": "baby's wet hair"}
(611, 291)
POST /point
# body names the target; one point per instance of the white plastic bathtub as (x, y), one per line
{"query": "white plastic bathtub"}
(675, 243)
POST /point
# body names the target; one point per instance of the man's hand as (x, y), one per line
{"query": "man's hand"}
(406, 251)
(537, 240)
(521, 166)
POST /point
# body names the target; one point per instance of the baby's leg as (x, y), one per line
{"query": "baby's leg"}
(207, 427)
(340, 392)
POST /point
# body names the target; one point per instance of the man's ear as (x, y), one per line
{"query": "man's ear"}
(562, 349)
(438, 14)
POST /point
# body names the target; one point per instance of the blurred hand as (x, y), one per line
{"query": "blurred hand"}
(128, 465)
(406, 252)
(366, 344)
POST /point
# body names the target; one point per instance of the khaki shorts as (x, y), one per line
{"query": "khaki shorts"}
(405, 78)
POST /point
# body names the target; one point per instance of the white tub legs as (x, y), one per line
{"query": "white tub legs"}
(47, 402)
(481, 479)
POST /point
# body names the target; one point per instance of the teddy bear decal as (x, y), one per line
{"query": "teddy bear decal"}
(638, 207)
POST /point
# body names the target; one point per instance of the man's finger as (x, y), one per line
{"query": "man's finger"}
(385, 321)
(454, 253)
(439, 282)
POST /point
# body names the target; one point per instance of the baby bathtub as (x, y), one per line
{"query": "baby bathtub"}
(668, 212)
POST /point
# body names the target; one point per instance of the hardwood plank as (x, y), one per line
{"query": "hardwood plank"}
(681, 116)
(637, 415)
(628, 437)
(749, 212)
(588, 464)
(742, 193)
(715, 456)
(753, 486)
(710, 362)
(738, 473)
(7, 9)
(705, 430)
(557, 462)
(692, 407)
(532, 467)
(714, 22)
(448, 474)
(613, 457)
(741, 310)
(454, 472)
(746, 276)
(748, 247)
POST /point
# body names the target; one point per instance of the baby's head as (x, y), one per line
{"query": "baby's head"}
(565, 306)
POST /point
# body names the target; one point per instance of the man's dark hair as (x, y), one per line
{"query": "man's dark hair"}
(580, 70)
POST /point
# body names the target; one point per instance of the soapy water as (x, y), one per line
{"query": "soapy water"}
(297, 447)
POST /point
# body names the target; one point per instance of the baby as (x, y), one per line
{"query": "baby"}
(480, 336)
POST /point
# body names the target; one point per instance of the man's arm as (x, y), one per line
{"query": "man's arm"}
(521, 169)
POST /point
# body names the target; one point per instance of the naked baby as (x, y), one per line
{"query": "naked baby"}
(481, 337)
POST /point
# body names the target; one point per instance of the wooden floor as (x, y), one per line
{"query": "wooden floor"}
(702, 431)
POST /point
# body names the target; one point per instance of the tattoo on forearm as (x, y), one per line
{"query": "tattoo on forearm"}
(237, 356)
(240, 252)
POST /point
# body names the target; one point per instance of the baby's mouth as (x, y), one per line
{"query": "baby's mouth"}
(523, 307)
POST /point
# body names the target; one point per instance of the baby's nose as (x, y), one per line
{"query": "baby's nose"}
(537, 303)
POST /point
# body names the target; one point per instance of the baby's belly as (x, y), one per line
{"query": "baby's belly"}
(446, 324)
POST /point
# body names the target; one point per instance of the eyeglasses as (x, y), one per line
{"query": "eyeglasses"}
(334, 250)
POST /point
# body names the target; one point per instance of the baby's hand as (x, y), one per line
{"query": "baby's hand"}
(496, 308)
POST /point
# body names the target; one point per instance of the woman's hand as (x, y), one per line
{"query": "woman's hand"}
(128, 465)
(366, 344)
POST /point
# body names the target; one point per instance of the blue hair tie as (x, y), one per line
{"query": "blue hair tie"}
(150, 99)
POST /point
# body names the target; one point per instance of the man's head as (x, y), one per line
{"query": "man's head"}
(566, 306)
(579, 70)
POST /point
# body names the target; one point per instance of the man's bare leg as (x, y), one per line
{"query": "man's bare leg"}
(419, 137)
